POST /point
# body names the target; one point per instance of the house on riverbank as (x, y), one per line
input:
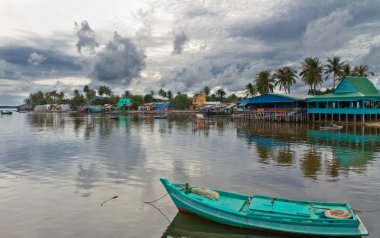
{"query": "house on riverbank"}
(355, 99)
(275, 107)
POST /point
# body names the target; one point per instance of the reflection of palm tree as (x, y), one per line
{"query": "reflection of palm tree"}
(285, 156)
(333, 167)
(263, 153)
(311, 163)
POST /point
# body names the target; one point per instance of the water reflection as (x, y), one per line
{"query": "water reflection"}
(78, 160)
(315, 151)
(186, 225)
(349, 148)
(311, 162)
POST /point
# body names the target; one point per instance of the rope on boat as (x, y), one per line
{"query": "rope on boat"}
(114, 197)
(361, 211)
(159, 210)
(157, 199)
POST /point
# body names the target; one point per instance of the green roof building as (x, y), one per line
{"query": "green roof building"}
(355, 99)
(123, 102)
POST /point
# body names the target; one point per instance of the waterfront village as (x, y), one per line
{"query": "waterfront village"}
(355, 100)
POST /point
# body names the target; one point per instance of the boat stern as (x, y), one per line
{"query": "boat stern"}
(362, 230)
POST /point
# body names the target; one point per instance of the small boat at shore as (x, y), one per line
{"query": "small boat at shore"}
(330, 126)
(160, 117)
(267, 213)
(6, 112)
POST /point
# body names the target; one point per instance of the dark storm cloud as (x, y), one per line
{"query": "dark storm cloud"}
(285, 24)
(178, 43)
(118, 63)
(29, 61)
(86, 37)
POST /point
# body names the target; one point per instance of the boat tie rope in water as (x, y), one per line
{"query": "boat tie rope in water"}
(159, 210)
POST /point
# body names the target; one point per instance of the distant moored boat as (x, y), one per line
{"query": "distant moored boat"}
(6, 112)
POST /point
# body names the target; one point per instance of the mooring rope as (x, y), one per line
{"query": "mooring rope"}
(157, 199)
(150, 203)
(361, 211)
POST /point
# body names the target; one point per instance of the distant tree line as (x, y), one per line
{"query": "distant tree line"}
(312, 72)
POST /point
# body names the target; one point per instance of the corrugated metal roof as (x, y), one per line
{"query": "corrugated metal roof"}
(271, 98)
(351, 87)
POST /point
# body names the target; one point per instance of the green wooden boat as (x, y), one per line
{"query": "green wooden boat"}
(267, 213)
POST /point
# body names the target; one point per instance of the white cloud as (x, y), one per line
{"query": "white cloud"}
(36, 59)
(73, 81)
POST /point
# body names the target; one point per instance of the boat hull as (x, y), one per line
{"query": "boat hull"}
(247, 220)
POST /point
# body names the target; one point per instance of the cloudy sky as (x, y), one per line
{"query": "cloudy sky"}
(176, 45)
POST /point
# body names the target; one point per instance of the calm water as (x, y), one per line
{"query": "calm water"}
(56, 170)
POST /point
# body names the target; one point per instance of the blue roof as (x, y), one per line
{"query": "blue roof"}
(270, 98)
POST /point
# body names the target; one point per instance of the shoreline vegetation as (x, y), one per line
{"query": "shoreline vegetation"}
(312, 73)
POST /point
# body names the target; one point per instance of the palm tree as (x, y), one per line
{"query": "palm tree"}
(220, 93)
(334, 66)
(206, 90)
(162, 93)
(151, 93)
(286, 77)
(264, 82)
(311, 73)
(127, 94)
(104, 90)
(361, 71)
(250, 90)
(61, 95)
(170, 95)
(86, 88)
(90, 94)
(346, 71)
(76, 93)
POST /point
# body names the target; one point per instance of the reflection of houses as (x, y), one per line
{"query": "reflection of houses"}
(197, 101)
(354, 99)
(350, 149)
(90, 109)
(276, 107)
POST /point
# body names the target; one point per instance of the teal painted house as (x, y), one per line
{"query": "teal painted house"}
(355, 99)
(123, 102)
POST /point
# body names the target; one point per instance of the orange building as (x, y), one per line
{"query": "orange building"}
(197, 101)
